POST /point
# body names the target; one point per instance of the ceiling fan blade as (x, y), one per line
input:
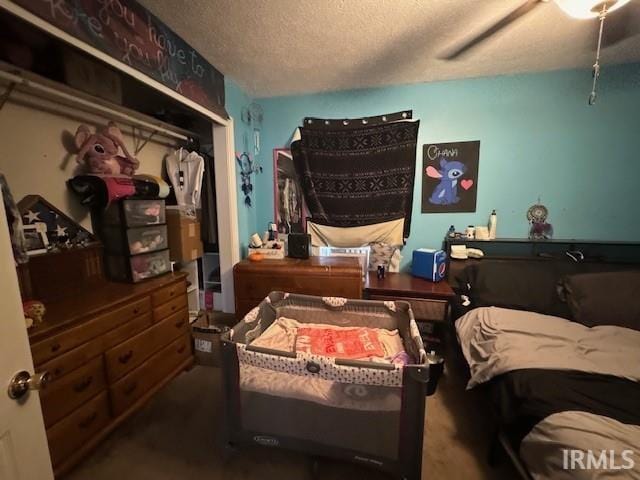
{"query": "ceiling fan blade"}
(499, 25)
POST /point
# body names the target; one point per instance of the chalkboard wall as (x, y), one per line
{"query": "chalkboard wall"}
(129, 33)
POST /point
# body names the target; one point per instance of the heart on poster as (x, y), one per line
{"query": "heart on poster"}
(466, 184)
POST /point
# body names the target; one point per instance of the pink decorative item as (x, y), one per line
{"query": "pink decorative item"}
(208, 300)
(466, 184)
(34, 311)
(99, 151)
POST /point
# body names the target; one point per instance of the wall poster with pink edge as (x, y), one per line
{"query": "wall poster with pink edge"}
(290, 211)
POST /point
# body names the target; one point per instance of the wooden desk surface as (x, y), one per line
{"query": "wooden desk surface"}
(406, 285)
(316, 263)
(69, 311)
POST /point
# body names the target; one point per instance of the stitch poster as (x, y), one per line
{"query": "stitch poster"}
(450, 177)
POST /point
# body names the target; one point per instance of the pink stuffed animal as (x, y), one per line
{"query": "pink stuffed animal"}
(99, 151)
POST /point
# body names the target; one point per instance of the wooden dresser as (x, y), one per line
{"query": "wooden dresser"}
(322, 276)
(107, 351)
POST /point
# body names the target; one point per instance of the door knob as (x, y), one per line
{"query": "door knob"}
(23, 381)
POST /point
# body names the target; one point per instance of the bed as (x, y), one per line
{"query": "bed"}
(565, 386)
(329, 377)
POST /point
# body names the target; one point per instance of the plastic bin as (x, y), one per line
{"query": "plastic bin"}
(139, 267)
(134, 241)
(133, 212)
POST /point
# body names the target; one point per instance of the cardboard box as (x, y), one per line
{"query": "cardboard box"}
(185, 243)
(206, 340)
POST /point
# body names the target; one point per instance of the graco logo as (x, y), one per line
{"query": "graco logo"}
(266, 441)
(597, 459)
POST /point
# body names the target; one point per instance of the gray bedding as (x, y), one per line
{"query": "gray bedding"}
(496, 341)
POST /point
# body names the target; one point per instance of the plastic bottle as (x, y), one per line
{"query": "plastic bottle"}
(493, 225)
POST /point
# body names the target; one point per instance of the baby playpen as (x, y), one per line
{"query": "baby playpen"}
(330, 377)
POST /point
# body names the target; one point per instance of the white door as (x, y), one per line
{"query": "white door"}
(24, 454)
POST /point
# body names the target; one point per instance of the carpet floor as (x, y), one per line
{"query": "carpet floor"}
(174, 438)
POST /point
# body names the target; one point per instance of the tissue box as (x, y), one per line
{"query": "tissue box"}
(429, 263)
(268, 252)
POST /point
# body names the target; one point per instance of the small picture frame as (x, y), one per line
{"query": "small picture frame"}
(35, 236)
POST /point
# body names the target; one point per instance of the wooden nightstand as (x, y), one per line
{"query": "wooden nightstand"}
(429, 300)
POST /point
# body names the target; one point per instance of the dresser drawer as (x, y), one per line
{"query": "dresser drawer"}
(123, 358)
(63, 342)
(126, 331)
(69, 361)
(259, 286)
(126, 391)
(169, 308)
(245, 305)
(66, 436)
(168, 293)
(423, 309)
(68, 392)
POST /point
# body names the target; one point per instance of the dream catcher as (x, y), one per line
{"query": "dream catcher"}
(247, 168)
(537, 216)
(252, 116)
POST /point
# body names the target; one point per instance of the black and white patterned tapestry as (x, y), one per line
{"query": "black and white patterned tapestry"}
(357, 174)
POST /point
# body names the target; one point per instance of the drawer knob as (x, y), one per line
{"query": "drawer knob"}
(136, 311)
(181, 348)
(130, 388)
(85, 422)
(179, 323)
(55, 347)
(84, 384)
(173, 307)
(125, 357)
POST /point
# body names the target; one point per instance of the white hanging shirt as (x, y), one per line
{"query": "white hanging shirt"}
(192, 167)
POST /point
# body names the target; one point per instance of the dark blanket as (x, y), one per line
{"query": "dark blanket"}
(358, 176)
(525, 397)
(98, 191)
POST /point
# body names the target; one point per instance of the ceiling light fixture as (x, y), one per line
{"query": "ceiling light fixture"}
(587, 9)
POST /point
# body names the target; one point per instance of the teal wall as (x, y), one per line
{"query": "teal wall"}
(236, 99)
(539, 138)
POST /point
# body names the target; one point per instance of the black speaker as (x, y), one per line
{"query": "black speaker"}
(298, 245)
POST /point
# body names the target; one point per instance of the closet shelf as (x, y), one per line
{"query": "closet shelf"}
(39, 86)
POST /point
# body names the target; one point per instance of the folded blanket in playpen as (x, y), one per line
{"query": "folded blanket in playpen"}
(275, 361)
(289, 335)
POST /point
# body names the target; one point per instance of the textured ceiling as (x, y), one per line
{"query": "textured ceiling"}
(283, 47)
